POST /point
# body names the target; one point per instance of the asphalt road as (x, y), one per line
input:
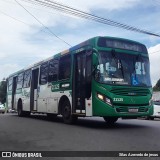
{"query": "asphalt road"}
(38, 133)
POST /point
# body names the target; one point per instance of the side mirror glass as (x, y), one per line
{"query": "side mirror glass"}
(97, 74)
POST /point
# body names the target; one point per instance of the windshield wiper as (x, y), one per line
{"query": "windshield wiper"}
(117, 61)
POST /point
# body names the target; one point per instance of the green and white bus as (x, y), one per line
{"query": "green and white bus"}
(103, 76)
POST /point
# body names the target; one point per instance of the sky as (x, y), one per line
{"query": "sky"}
(24, 41)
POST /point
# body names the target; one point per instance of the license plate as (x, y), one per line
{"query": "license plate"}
(133, 110)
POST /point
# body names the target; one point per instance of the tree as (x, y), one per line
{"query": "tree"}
(157, 86)
(3, 91)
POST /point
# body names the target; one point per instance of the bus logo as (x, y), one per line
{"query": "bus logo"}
(55, 87)
(118, 99)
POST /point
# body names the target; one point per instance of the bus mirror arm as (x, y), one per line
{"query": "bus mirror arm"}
(95, 50)
(94, 69)
(96, 73)
(95, 58)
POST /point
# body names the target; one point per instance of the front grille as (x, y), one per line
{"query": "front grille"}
(143, 109)
(122, 109)
(125, 109)
(134, 105)
(130, 91)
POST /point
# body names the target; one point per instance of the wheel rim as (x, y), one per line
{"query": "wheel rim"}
(66, 112)
(19, 111)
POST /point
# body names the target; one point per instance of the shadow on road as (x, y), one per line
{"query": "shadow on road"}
(98, 123)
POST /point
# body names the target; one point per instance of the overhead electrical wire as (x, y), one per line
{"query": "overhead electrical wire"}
(42, 23)
(78, 13)
(13, 18)
(1, 12)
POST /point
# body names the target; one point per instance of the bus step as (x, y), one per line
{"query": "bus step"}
(79, 114)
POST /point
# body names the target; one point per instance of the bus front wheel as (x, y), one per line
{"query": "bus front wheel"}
(110, 120)
(68, 118)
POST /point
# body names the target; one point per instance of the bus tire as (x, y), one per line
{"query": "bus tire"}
(19, 109)
(51, 116)
(110, 120)
(68, 118)
(151, 118)
(27, 113)
(22, 113)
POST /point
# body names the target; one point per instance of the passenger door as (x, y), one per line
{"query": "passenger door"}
(44, 88)
(34, 89)
(81, 80)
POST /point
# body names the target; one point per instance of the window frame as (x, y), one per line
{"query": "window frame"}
(40, 77)
(61, 63)
(55, 67)
(20, 82)
(28, 76)
(10, 85)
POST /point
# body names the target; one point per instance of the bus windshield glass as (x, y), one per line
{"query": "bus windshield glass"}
(123, 69)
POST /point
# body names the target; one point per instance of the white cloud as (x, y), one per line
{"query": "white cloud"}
(7, 69)
(23, 44)
(154, 54)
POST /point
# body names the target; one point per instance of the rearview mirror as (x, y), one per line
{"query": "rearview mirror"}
(95, 59)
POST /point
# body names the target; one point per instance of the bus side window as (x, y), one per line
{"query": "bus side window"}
(10, 83)
(19, 81)
(27, 79)
(53, 70)
(43, 74)
(65, 67)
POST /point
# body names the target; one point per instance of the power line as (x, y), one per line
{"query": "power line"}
(78, 13)
(42, 23)
(13, 18)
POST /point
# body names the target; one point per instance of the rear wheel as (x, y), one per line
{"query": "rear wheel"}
(110, 120)
(151, 118)
(68, 118)
(22, 113)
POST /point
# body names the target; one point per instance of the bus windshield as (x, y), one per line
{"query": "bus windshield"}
(123, 69)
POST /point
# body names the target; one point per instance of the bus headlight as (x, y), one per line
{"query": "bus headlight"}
(100, 96)
(104, 99)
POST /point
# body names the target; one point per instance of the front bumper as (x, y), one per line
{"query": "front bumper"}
(2, 110)
(156, 115)
(102, 109)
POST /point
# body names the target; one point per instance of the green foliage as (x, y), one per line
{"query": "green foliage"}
(157, 86)
(3, 91)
